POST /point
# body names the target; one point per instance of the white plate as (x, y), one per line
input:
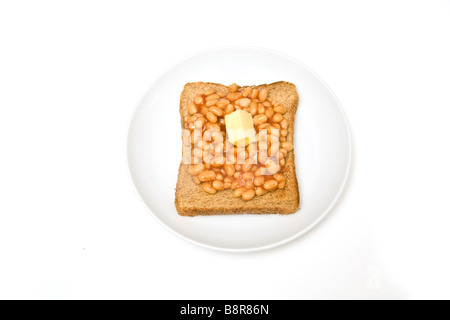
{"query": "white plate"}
(322, 146)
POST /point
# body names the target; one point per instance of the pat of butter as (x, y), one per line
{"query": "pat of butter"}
(240, 129)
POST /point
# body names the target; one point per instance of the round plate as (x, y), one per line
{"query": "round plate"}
(322, 146)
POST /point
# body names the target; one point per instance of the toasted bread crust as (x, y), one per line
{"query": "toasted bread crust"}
(191, 200)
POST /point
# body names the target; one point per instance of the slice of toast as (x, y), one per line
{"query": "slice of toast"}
(191, 200)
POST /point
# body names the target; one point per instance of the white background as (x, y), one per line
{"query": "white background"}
(71, 74)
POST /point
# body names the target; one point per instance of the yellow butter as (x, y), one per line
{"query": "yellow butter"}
(240, 128)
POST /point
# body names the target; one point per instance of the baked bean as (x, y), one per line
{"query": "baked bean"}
(267, 104)
(262, 157)
(228, 179)
(218, 162)
(261, 108)
(248, 195)
(233, 96)
(217, 111)
(204, 145)
(287, 146)
(260, 191)
(239, 192)
(282, 162)
(277, 117)
(195, 160)
(263, 145)
(207, 175)
(207, 160)
(247, 166)
(218, 148)
(284, 124)
(207, 166)
(259, 119)
(244, 102)
(198, 99)
(283, 139)
(228, 145)
(219, 176)
(252, 148)
(283, 152)
(233, 88)
(192, 108)
(261, 135)
(229, 169)
(271, 167)
(222, 94)
(209, 126)
(277, 126)
(273, 131)
(246, 92)
(283, 132)
(191, 126)
(238, 175)
(199, 123)
(231, 158)
(196, 181)
(237, 184)
(213, 97)
(209, 92)
(247, 176)
(243, 155)
(196, 136)
(204, 110)
(218, 185)
(274, 149)
(253, 109)
(193, 118)
(254, 94)
(208, 188)
(216, 136)
(211, 102)
(259, 181)
(270, 112)
(211, 117)
(263, 94)
(279, 177)
(198, 153)
(222, 103)
(227, 185)
(229, 109)
(270, 185)
(280, 109)
(263, 126)
(208, 148)
(259, 172)
(281, 185)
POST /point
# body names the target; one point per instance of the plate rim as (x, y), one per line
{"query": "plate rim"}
(258, 248)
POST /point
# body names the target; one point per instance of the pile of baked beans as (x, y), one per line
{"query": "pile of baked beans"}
(216, 163)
